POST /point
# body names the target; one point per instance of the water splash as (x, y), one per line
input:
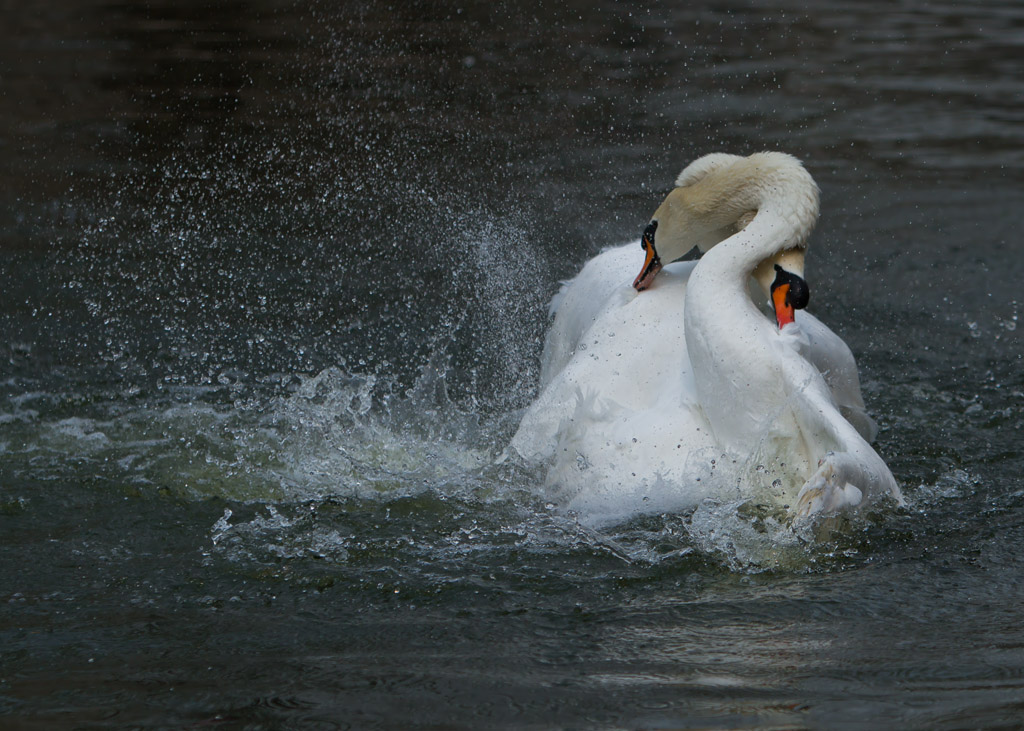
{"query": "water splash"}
(340, 466)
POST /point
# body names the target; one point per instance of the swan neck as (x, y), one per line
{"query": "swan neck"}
(735, 259)
(732, 345)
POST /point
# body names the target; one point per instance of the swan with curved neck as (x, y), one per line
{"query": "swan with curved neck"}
(719, 195)
(644, 386)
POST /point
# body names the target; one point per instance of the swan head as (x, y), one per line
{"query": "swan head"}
(687, 218)
(788, 290)
(718, 195)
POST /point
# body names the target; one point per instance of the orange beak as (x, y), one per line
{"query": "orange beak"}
(784, 312)
(652, 264)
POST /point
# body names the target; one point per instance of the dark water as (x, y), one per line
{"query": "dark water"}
(274, 284)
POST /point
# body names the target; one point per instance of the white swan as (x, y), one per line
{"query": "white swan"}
(653, 400)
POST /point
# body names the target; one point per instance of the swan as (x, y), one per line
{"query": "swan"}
(681, 387)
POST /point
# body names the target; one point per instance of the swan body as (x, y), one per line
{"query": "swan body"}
(654, 400)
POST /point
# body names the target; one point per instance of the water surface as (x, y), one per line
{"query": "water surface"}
(275, 279)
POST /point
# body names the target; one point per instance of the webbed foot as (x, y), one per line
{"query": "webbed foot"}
(827, 490)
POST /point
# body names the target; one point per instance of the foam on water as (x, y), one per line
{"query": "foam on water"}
(326, 438)
(339, 438)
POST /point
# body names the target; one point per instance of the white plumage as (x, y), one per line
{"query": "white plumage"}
(651, 401)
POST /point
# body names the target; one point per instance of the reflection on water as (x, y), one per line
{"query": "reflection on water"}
(275, 284)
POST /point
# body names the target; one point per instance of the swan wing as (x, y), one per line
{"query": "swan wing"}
(849, 470)
(627, 350)
(601, 285)
(834, 360)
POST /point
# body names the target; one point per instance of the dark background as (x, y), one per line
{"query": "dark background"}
(274, 285)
